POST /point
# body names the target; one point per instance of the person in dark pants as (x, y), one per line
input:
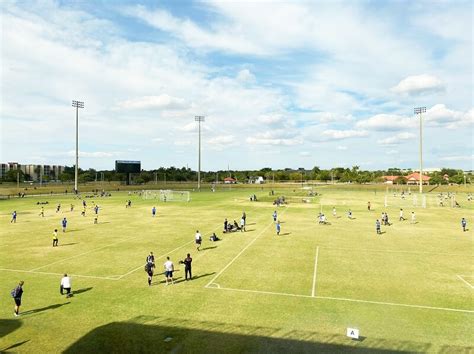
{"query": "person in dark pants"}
(17, 294)
(187, 267)
(55, 238)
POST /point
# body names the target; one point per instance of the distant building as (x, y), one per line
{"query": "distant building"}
(414, 178)
(230, 180)
(391, 179)
(32, 172)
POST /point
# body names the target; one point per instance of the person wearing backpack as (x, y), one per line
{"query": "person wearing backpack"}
(17, 294)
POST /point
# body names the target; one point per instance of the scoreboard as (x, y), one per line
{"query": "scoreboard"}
(122, 166)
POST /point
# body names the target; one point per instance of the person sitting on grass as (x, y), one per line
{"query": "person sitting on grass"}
(236, 226)
(214, 237)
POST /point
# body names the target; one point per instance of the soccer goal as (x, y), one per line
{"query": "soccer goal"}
(174, 196)
(150, 194)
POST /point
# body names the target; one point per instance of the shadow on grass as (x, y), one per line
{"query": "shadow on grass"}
(16, 345)
(149, 334)
(208, 248)
(285, 234)
(80, 291)
(42, 309)
(8, 326)
(195, 277)
(67, 244)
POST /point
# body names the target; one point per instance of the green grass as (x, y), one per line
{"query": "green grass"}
(253, 291)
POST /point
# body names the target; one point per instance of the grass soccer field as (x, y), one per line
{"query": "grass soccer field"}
(407, 290)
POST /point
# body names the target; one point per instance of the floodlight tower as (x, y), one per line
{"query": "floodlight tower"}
(199, 119)
(420, 111)
(77, 104)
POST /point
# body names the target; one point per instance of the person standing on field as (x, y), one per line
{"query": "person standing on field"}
(463, 224)
(401, 215)
(413, 217)
(65, 286)
(169, 268)
(13, 220)
(55, 238)
(275, 215)
(153, 212)
(17, 293)
(64, 224)
(278, 228)
(377, 227)
(242, 224)
(187, 267)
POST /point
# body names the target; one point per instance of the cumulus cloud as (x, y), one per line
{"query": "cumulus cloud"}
(440, 115)
(397, 139)
(275, 137)
(418, 84)
(245, 76)
(154, 102)
(384, 122)
(333, 134)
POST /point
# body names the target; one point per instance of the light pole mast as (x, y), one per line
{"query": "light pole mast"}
(420, 111)
(199, 119)
(77, 104)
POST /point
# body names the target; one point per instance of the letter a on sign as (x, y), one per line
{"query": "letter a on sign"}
(352, 333)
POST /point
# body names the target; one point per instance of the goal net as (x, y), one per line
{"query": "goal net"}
(174, 196)
(150, 194)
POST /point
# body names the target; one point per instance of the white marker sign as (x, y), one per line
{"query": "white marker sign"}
(353, 333)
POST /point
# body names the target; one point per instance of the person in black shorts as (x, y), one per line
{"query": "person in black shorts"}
(149, 270)
(17, 293)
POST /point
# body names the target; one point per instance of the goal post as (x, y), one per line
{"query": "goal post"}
(150, 194)
(174, 196)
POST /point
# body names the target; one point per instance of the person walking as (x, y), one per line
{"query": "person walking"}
(13, 220)
(275, 215)
(377, 227)
(278, 227)
(17, 293)
(463, 224)
(153, 211)
(65, 285)
(64, 224)
(401, 215)
(169, 268)
(55, 238)
(413, 217)
(198, 239)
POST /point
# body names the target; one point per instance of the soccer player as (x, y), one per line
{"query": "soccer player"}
(83, 212)
(64, 224)
(368, 206)
(42, 212)
(187, 267)
(55, 238)
(150, 259)
(13, 220)
(242, 224)
(463, 224)
(58, 208)
(275, 215)
(72, 208)
(17, 294)
(401, 215)
(225, 225)
(84, 204)
(153, 211)
(96, 209)
(349, 214)
(244, 217)
(413, 217)
(377, 227)
(169, 268)
(66, 286)
(149, 271)
(334, 212)
(198, 239)
(278, 228)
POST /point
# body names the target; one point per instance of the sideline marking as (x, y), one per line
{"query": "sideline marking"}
(242, 251)
(315, 272)
(465, 281)
(345, 299)
(48, 273)
(394, 251)
(87, 252)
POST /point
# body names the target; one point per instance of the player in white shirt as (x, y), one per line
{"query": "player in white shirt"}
(413, 217)
(169, 269)
(66, 285)
(198, 239)
(334, 212)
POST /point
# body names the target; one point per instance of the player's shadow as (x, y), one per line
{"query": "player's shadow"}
(67, 244)
(194, 277)
(208, 248)
(249, 230)
(104, 222)
(42, 309)
(16, 345)
(8, 326)
(80, 291)
(73, 230)
(285, 234)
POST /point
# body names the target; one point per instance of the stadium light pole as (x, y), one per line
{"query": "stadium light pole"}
(77, 104)
(199, 119)
(420, 111)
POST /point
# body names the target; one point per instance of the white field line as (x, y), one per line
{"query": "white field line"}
(315, 272)
(395, 251)
(344, 299)
(465, 281)
(56, 274)
(242, 251)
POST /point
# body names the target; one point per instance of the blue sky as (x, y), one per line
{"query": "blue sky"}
(282, 84)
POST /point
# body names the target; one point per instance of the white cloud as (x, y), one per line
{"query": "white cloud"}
(305, 153)
(333, 134)
(458, 158)
(154, 102)
(397, 139)
(93, 155)
(341, 147)
(221, 140)
(275, 137)
(245, 76)
(387, 122)
(440, 115)
(419, 84)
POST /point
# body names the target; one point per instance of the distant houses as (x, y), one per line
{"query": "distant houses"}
(413, 178)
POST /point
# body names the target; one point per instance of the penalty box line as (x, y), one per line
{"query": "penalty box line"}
(240, 253)
(342, 299)
(58, 274)
(461, 277)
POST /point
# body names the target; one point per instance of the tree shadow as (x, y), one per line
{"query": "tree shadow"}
(8, 326)
(80, 291)
(42, 309)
